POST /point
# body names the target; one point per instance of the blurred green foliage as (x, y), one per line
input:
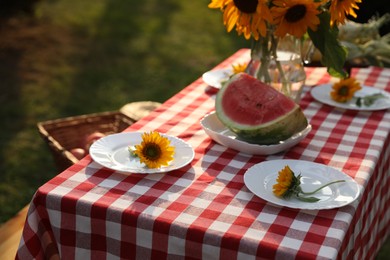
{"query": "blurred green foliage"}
(78, 57)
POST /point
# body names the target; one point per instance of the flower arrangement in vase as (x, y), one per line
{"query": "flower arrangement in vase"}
(270, 23)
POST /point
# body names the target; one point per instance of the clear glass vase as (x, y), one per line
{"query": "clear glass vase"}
(277, 62)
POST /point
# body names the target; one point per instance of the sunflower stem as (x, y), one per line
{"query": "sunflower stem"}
(323, 186)
(274, 48)
(262, 48)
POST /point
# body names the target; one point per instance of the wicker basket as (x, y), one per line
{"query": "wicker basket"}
(64, 134)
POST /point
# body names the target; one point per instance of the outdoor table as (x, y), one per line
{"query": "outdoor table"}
(204, 210)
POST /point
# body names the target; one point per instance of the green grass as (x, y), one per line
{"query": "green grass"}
(78, 57)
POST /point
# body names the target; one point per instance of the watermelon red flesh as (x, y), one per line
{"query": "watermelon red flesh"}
(256, 112)
(253, 102)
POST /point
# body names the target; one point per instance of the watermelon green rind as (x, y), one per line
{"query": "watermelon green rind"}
(281, 128)
(272, 133)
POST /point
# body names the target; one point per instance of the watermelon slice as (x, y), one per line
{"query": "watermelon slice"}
(257, 112)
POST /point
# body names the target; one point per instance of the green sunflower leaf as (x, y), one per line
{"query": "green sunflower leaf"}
(325, 40)
(308, 199)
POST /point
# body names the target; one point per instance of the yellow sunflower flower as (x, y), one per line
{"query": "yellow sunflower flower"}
(283, 182)
(250, 17)
(155, 150)
(339, 9)
(295, 16)
(240, 67)
(344, 90)
(288, 185)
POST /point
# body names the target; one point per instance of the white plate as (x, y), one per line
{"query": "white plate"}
(222, 135)
(260, 178)
(215, 78)
(322, 94)
(112, 152)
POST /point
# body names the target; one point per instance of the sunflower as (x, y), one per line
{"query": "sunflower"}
(295, 16)
(250, 17)
(344, 90)
(288, 185)
(240, 67)
(284, 182)
(155, 150)
(339, 9)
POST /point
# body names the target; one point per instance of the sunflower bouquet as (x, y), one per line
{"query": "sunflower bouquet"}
(266, 21)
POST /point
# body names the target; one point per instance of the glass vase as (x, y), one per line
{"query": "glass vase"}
(277, 62)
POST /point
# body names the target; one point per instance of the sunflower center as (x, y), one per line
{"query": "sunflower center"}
(295, 13)
(152, 152)
(343, 91)
(246, 6)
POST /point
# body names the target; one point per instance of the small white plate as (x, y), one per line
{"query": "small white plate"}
(222, 135)
(216, 78)
(112, 152)
(322, 94)
(260, 178)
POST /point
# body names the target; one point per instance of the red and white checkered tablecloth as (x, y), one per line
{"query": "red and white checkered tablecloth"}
(204, 210)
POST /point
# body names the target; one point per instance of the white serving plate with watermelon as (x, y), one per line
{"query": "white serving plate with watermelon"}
(222, 135)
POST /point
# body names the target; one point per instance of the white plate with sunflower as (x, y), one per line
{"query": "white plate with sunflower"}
(332, 188)
(166, 152)
(322, 94)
